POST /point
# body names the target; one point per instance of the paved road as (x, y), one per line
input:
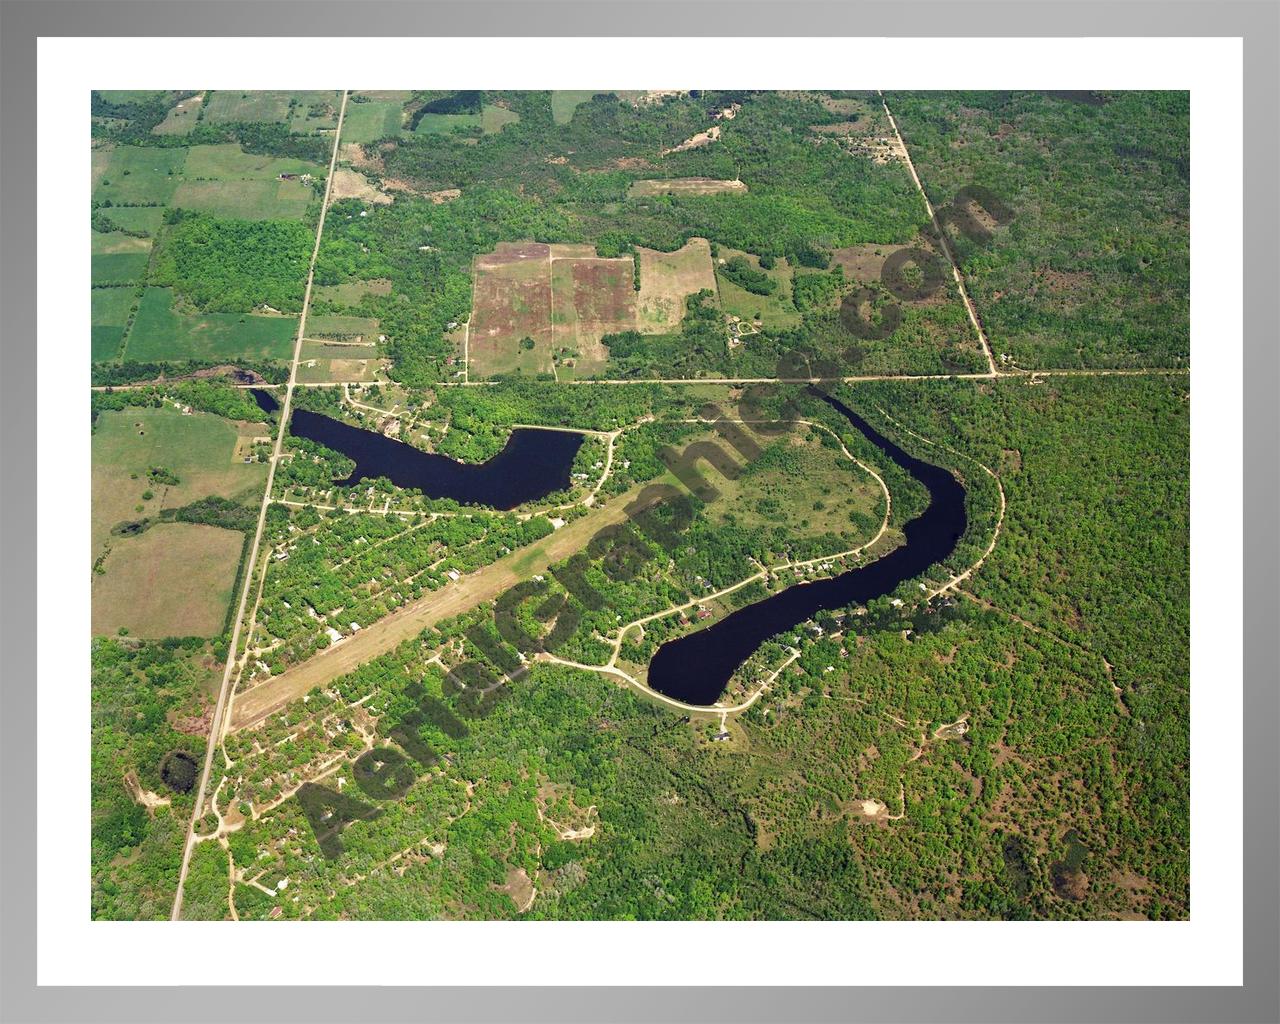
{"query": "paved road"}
(216, 726)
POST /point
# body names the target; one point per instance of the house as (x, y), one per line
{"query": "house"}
(454, 575)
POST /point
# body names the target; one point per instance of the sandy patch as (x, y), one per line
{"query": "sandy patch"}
(351, 184)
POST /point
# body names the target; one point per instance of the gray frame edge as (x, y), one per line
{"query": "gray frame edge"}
(1258, 22)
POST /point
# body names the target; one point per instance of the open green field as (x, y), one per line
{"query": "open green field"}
(137, 218)
(350, 292)
(182, 117)
(231, 105)
(360, 328)
(775, 310)
(136, 175)
(199, 449)
(667, 279)
(315, 111)
(119, 268)
(324, 363)
(246, 200)
(813, 488)
(565, 101)
(110, 313)
(160, 333)
(229, 162)
(174, 580)
(376, 119)
(491, 118)
(106, 243)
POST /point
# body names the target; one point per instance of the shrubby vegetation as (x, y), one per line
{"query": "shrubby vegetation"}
(1094, 270)
(141, 690)
(205, 396)
(233, 266)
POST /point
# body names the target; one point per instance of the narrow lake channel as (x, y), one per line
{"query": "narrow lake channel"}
(697, 667)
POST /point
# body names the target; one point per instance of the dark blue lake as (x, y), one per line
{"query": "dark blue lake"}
(266, 400)
(533, 464)
(697, 667)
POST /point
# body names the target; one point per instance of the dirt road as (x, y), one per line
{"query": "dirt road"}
(386, 634)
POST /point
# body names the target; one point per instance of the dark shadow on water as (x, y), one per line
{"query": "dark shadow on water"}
(179, 770)
(534, 463)
(266, 400)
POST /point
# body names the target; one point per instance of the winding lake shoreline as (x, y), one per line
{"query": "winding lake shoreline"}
(696, 668)
(533, 464)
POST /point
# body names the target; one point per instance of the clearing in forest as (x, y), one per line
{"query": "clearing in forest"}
(667, 279)
(511, 318)
(591, 297)
(684, 187)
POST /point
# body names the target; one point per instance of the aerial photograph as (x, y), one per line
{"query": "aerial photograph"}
(672, 504)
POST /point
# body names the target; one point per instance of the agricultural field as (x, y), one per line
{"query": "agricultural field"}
(110, 315)
(649, 496)
(161, 332)
(667, 279)
(591, 297)
(173, 580)
(139, 176)
(374, 115)
(511, 328)
(200, 449)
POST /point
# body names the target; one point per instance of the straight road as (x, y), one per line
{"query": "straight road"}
(216, 726)
(374, 640)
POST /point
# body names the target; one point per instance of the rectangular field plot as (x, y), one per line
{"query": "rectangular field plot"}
(107, 243)
(667, 279)
(511, 321)
(161, 333)
(323, 364)
(351, 292)
(173, 580)
(227, 161)
(136, 218)
(372, 120)
(246, 200)
(104, 339)
(233, 105)
(140, 175)
(200, 450)
(685, 187)
(357, 329)
(110, 313)
(315, 111)
(182, 117)
(119, 268)
(492, 118)
(591, 297)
